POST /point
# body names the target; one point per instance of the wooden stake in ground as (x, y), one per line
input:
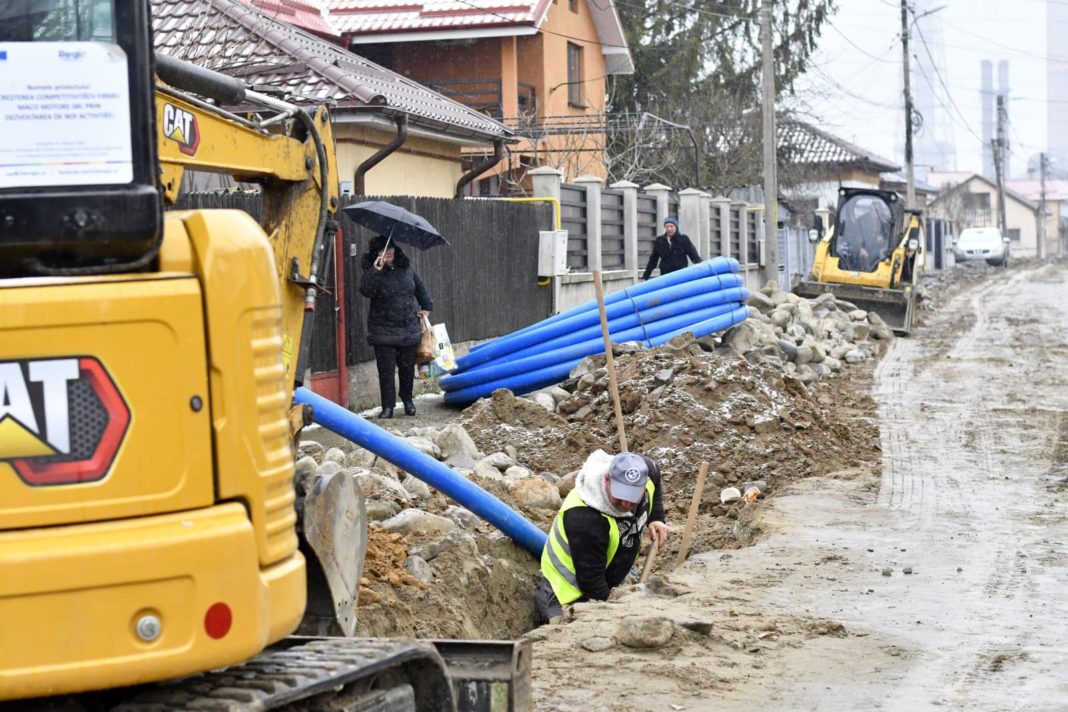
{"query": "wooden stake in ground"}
(609, 363)
(653, 548)
(695, 504)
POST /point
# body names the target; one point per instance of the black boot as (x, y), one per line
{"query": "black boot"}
(409, 407)
(386, 413)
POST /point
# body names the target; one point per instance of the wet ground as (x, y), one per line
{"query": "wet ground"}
(938, 583)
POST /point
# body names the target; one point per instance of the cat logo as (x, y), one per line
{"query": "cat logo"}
(181, 127)
(62, 420)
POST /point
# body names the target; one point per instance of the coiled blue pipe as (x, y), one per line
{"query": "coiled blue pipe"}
(533, 380)
(389, 447)
(714, 266)
(649, 317)
(512, 366)
(550, 329)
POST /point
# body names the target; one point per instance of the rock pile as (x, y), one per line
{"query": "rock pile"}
(433, 568)
(808, 339)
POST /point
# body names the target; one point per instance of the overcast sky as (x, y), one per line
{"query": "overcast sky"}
(856, 92)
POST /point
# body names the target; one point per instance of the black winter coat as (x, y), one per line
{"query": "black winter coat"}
(672, 256)
(397, 294)
(587, 533)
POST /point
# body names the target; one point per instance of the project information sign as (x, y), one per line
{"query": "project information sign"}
(64, 114)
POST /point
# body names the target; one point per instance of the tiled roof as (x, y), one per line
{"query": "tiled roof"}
(375, 21)
(274, 57)
(388, 16)
(305, 14)
(806, 145)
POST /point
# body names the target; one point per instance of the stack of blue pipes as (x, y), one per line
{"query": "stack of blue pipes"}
(701, 299)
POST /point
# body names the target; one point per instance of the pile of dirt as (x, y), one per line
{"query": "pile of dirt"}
(683, 405)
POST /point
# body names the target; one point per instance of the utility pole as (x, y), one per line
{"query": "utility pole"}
(999, 164)
(771, 179)
(1042, 206)
(910, 191)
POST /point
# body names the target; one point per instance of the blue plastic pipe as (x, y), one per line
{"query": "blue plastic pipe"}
(648, 317)
(716, 265)
(625, 305)
(548, 375)
(594, 345)
(389, 447)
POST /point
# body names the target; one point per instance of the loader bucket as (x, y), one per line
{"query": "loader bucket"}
(334, 523)
(894, 306)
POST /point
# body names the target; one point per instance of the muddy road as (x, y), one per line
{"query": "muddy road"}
(934, 579)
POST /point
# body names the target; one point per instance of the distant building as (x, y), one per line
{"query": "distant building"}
(1056, 209)
(1057, 82)
(817, 164)
(539, 66)
(368, 103)
(972, 202)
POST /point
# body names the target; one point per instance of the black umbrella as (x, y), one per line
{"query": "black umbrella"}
(396, 223)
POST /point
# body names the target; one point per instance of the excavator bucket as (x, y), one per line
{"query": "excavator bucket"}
(334, 519)
(894, 306)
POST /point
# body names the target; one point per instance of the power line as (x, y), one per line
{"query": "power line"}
(938, 74)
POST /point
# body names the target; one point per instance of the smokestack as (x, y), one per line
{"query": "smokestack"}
(986, 95)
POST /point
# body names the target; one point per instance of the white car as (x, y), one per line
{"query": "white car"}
(982, 243)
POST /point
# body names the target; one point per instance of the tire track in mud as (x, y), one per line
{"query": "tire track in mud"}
(972, 412)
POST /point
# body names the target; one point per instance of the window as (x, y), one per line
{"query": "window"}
(57, 21)
(1014, 234)
(572, 5)
(574, 76)
(976, 201)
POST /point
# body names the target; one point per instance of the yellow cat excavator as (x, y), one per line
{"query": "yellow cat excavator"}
(149, 527)
(871, 256)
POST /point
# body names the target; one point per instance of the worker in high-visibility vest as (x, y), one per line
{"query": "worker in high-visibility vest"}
(596, 535)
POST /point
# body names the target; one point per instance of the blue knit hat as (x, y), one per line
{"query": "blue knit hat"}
(673, 221)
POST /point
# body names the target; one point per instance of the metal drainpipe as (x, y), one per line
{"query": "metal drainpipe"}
(480, 167)
(358, 183)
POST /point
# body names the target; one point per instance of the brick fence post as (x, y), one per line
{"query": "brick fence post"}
(690, 217)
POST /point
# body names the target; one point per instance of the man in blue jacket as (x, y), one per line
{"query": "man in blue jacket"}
(671, 250)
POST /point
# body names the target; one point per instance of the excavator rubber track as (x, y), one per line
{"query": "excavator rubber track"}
(353, 674)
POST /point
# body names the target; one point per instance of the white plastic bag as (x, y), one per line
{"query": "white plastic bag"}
(444, 359)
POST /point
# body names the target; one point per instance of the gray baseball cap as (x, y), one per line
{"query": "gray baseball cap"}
(627, 474)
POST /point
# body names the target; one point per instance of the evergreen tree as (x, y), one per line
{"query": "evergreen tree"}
(698, 63)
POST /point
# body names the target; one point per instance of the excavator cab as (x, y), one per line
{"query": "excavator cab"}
(871, 256)
(78, 188)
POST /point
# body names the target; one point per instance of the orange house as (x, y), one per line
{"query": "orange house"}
(541, 67)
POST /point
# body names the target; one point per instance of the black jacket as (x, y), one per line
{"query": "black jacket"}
(672, 256)
(397, 294)
(587, 533)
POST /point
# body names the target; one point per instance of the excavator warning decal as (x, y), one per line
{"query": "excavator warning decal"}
(181, 127)
(61, 420)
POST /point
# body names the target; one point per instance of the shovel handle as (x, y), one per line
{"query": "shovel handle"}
(649, 562)
(695, 504)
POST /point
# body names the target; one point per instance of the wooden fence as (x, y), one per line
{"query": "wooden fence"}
(484, 284)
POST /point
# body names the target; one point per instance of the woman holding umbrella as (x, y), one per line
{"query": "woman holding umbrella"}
(399, 300)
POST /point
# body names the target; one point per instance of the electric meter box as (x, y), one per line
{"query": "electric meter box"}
(552, 253)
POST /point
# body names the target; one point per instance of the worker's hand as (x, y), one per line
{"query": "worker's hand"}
(658, 532)
(421, 313)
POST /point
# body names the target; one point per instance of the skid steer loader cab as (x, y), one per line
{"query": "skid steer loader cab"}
(870, 256)
(78, 155)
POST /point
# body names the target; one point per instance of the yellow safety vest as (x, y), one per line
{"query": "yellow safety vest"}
(556, 563)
